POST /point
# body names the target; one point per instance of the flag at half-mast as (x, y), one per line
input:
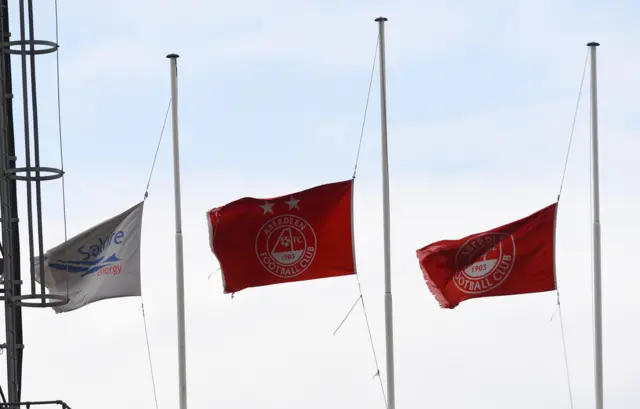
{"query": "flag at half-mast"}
(300, 236)
(100, 263)
(517, 258)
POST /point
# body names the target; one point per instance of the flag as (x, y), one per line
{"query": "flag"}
(517, 258)
(296, 237)
(100, 263)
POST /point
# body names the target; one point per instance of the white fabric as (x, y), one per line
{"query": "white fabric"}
(100, 263)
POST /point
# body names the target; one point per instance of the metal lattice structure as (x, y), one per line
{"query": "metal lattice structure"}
(15, 297)
(54, 404)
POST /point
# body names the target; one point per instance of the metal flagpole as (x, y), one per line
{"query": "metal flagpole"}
(182, 364)
(597, 250)
(388, 301)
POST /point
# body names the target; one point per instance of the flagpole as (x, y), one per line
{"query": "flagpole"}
(597, 251)
(182, 364)
(388, 301)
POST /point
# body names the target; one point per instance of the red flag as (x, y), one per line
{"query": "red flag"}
(295, 237)
(517, 258)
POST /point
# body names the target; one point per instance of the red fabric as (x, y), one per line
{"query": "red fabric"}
(295, 237)
(517, 258)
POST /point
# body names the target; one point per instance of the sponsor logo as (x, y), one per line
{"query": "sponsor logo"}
(92, 259)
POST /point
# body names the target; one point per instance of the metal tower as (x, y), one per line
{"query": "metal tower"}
(32, 174)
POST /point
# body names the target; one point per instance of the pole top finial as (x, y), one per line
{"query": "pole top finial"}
(593, 44)
(172, 55)
(379, 19)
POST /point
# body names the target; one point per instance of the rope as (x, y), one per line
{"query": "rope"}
(146, 335)
(564, 172)
(64, 202)
(155, 157)
(373, 349)
(144, 317)
(64, 195)
(573, 126)
(564, 348)
(366, 108)
(360, 298)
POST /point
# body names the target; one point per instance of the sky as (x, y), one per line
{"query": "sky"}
(481, 100)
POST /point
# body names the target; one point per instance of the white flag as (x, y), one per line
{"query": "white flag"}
(100, 263)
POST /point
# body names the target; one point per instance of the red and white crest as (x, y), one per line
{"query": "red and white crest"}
(484, 262)
(286, 245)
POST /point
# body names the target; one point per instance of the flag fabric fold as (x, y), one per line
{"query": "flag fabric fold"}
(300, 236)
(100, 263)
(517, 258)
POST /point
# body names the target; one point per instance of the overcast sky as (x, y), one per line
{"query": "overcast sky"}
(481, 97)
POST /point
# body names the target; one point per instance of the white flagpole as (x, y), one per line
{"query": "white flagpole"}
(388, 301)
(597, 251)
(182, 364)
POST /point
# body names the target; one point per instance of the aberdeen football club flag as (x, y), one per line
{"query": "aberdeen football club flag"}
(295, 237)
(517, 258)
